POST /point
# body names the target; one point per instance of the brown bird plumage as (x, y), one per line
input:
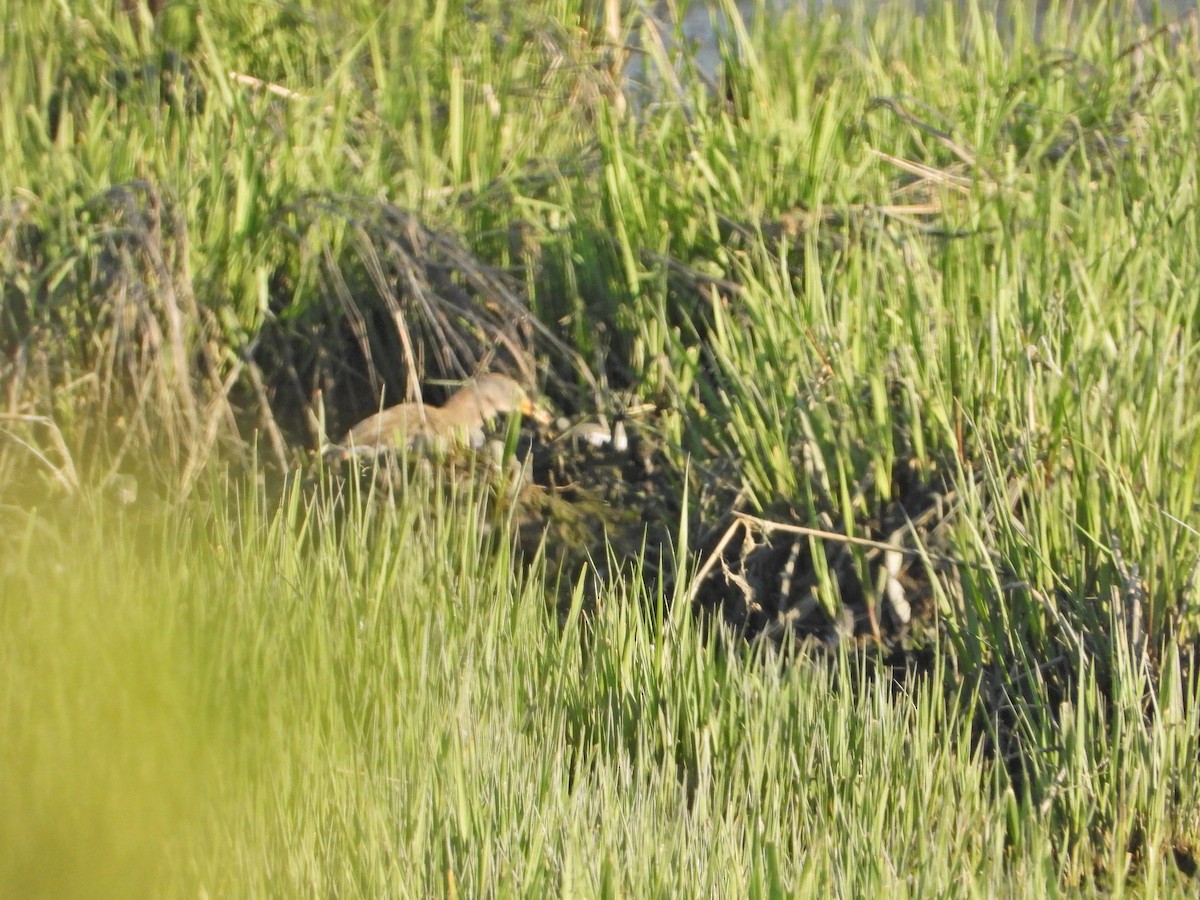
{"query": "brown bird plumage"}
(458, 422)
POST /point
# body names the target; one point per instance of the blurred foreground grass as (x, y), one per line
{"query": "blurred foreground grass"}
(380, 703)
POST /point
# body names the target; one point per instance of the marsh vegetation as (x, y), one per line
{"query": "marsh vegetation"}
(889, 585)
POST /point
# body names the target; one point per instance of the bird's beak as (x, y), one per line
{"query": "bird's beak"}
(537, 412)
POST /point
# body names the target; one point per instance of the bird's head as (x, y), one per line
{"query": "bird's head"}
(488, 396)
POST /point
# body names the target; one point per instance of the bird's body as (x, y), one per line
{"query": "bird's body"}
(459, 422)
(406, 425)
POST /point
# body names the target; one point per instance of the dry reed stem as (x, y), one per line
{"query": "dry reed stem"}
(768, 526)
(65, 474)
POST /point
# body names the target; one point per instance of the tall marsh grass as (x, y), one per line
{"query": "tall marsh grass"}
(261, 702)
(869, 242)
